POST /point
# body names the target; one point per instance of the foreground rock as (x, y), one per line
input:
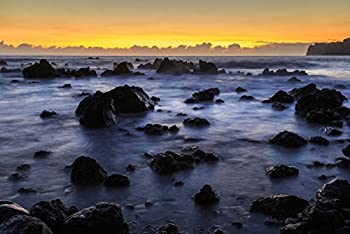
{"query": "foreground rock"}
(101, 109)
(279, 206)
(23, 224)
(87, 171)
(288, 139)
(106, 218)
(206, 95)
(206, 196)
(53, 213)
(282, 171)
(327, 215)
(283, 72)
(170, 162)
(9, 209)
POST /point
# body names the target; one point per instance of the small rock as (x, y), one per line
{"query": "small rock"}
(288, 139)
(117, 180)
(196, 122)
(319, 140)
(206, 196)
(247, 98)
(42, 154)
(47, 114)
(240, 90)
(87, 171)
(282, 171)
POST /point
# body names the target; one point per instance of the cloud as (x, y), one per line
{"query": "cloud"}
(205, 48)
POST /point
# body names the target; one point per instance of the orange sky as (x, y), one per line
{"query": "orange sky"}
(112, 23)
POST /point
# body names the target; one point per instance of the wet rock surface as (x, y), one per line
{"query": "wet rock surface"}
(288, 139)
(196, 122)
(101, 109)
(282, 171)
(103, 218)
(169, 162)
(23, 224)
(117, 180)
(9, 209)
(158, 129)
(87, 171)
(206, 95)
(280, 97)
(206, 196)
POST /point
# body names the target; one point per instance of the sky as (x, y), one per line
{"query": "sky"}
(162, 23)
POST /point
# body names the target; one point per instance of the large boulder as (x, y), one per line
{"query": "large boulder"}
(53, 213)
(9, 209)
(303, 91)
(106, 218)
(288, 139)
(101, 109)
(336, 189)
(206, 196)
(23, 224)
(281, 97)
(174, 67)
(87, 171)
(43, 69)
(208, 68)
(279, 206)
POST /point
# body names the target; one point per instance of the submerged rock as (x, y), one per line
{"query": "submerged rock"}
(157, 129)
(240, 90)
(170, 162)
(283, 72)
(106, 218)
(279, 206)
(47, 114)
(206, 95)
(247, 98)
(206, 196)
(42, 154)
(196, 122)
(294, 79)
(101, 109)
(117, 180)
(288, 139)
(53, 213)
(43, 69)
(23, 224)
(87, 171)
(281, 171)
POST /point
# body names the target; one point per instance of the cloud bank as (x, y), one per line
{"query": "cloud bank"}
(267, 48)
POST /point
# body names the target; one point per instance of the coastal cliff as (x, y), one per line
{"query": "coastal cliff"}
(333, 48)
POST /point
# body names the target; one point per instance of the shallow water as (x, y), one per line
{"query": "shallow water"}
(238, 133)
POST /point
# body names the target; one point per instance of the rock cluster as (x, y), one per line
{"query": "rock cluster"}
(283, 72)
(206, 95)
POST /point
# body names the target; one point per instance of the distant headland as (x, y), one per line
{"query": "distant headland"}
(333, 48)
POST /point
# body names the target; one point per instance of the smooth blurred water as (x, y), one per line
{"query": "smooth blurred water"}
(238, 134)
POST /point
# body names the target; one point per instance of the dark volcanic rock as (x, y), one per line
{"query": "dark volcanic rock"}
(219, 101)
(240, 90)
(66, 86)
(53, 213)
(106, 218)
(9, 209)
(332, 131)
(42, 154)
(319, 140)
(288, 139)
(157, 129)
(47, 114)
(281, 97)
(151, 66)
(43, 69)
(309, 89)
(87, 171)
(346, 151)
(206, 95)
(6, 70)
(332, 48)
(80, 73)
(196, 122)
(23, 224)
(206, 196)
(169, 228)
(338, 189)
(122, 69)
(100, 109)
(170, 162)
(247, 98)
(279, 206)
(117, 180)
(283, 72)
(320, 116)
(281, 171)
(174, 67)
(208, 68)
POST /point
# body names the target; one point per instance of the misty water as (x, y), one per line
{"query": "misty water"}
(238, 134)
